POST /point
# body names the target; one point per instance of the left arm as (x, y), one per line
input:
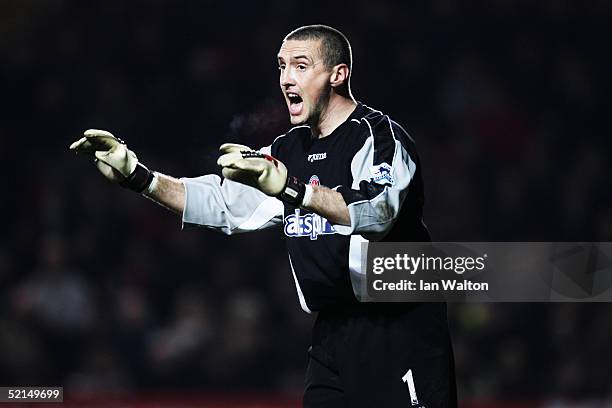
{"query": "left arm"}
(330, 204)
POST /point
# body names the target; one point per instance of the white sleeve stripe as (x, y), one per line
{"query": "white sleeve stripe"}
(266, 211)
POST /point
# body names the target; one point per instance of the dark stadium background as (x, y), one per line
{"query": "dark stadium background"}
(103, 293)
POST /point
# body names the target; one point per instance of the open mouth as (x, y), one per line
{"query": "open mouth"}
(295, 103)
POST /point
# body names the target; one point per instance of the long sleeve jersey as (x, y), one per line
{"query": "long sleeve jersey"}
(369, 159)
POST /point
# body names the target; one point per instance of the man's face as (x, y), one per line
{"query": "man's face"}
(304, 80)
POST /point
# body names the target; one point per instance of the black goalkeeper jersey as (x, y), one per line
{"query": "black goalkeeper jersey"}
(373, 163)
(369, 159)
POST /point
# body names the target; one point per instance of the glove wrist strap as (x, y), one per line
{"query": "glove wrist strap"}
(293, 193)
(139, 180)
(308, 191)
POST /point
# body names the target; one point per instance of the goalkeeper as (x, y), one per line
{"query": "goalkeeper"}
(343, 175)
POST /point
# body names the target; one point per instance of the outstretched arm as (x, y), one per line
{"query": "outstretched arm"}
(207, 201)
(168, 192)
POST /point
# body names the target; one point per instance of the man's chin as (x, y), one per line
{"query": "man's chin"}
(297, 120)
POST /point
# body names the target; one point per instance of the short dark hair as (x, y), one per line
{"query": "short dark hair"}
(335, 47)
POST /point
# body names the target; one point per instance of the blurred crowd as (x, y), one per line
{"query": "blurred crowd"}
(104, 291)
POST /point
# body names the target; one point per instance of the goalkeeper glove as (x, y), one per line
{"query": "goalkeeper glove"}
(262, 171)
(114, 160)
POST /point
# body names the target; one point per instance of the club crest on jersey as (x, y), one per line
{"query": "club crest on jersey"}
(307, 225)
(382, 174)
(317, 156)
(314, 180)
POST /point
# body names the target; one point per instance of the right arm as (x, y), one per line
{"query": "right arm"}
(168, 192)
(208, 201)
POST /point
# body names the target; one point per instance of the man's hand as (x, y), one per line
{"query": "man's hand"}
(114, 160)
(245, 165)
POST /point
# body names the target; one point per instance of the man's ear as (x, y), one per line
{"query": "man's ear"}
(340, 74)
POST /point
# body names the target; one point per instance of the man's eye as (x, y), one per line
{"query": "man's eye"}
(281, 67)
(301, 67)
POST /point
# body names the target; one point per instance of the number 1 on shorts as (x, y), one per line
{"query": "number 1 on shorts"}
(407, 378)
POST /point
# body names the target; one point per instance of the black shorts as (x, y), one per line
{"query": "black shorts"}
(381, 355)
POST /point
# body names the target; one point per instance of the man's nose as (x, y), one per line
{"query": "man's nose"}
(286, 78)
